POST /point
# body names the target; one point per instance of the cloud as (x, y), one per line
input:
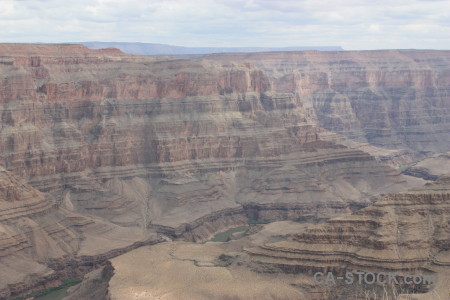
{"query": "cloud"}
(374, 27)
(352, 24)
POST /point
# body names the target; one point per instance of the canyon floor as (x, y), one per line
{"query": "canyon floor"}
(181, 270)
(220, 270)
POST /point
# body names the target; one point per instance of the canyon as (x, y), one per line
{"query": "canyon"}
(406, 234)
(104, 152)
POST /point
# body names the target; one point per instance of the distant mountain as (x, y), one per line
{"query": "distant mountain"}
(162, 49)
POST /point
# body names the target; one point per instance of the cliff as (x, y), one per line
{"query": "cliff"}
(393, 102)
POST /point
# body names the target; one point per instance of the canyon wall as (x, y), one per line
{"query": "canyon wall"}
(393, 102)
(137, 140)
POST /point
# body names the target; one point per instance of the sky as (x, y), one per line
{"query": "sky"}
(351, 24)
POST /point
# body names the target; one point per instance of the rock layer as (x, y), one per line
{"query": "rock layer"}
(405, 233)
(395, 99)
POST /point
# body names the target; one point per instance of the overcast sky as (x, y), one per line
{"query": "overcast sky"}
(352, 24)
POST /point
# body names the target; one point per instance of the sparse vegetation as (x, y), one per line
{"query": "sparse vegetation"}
(66, 282)
(225, 260)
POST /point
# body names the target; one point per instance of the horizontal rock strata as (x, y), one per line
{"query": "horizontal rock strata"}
(394, 99)
(404, 233)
